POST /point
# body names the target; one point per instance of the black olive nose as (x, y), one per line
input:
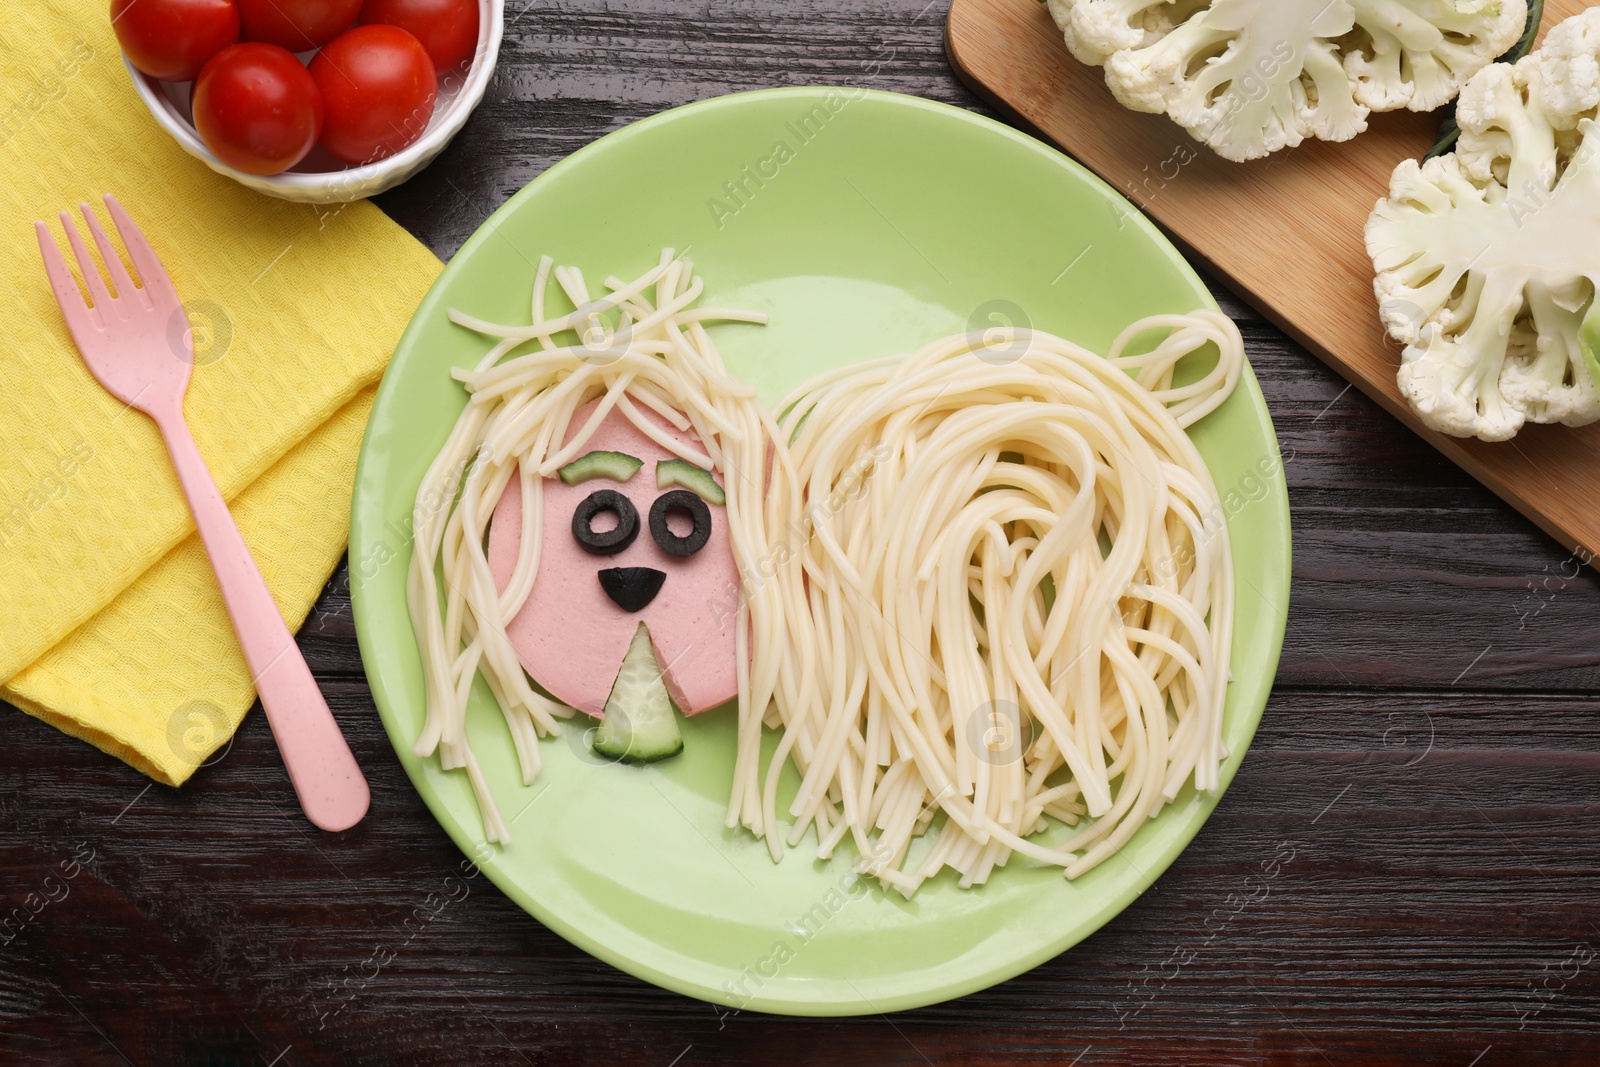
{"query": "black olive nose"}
(632, 588)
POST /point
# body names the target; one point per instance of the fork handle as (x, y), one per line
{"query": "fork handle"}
(332, 790)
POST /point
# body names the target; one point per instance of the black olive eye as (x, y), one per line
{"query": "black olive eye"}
(690, 504)
(605, 542)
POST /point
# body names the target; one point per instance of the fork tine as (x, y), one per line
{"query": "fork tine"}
(108, 255)
(86, 266)
(63, 284)
(151, 272)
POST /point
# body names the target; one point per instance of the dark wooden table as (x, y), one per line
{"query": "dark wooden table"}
(1403, 871)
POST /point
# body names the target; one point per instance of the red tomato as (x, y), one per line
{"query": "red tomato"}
(257, 108)
(378, 88)
(171, 39)
(448, 29)
(298, 25)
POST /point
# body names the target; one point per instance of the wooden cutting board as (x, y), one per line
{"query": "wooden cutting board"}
(1284, 232)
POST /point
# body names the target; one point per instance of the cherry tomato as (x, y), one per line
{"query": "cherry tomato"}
(170, 40)
(378, 89)
(257, 108)
(448, 29)
(298, 25)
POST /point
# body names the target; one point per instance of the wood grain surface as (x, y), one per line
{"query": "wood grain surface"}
(1402, 873)
(1284, 232)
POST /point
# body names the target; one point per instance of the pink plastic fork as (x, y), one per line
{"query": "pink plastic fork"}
(129, 349)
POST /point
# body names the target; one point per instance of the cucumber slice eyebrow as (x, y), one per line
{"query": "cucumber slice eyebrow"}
(670, 472)
(639, 725)
(618, 466)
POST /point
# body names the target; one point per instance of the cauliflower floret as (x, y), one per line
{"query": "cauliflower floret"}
(1488, 259)
(1555, 381)
(1249, 77)
(1569, 71)
(1418, 55)
(1096, 31)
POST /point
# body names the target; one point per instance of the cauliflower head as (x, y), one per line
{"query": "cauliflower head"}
(1249, 77)
(1488, 259)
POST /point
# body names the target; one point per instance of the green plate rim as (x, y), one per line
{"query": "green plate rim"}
(1273, 518)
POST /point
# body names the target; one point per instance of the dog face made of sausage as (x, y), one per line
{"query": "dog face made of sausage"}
(595, 584)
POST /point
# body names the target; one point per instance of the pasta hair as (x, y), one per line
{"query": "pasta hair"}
(986, 587)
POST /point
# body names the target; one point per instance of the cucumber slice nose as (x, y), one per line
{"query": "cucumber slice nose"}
(640, 725)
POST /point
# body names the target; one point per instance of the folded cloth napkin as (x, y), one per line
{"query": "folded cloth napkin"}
(111, 626)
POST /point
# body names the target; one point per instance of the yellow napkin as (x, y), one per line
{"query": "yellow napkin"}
(111, 626)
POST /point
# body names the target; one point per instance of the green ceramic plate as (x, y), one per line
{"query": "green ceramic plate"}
(865, 224)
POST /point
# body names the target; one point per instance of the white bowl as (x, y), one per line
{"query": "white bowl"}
(319, 178)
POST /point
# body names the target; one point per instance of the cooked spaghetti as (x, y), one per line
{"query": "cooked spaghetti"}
(988, 581)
